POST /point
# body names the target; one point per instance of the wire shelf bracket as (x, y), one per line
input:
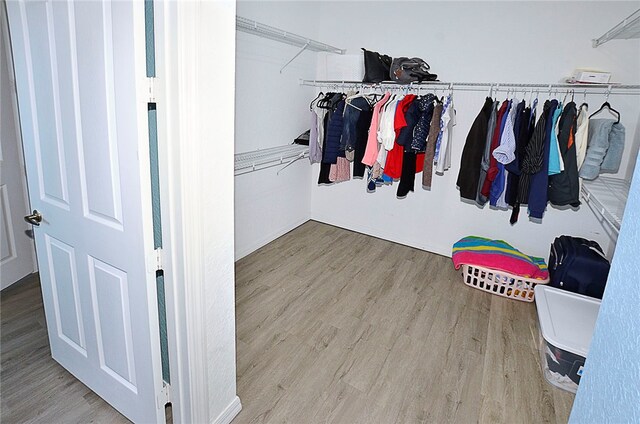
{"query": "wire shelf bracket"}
(276, 34)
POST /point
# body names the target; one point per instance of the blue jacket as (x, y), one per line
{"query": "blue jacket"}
(540, 180)
(334, 133)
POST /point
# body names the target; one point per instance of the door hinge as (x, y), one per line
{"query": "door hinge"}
(158, 259)
(154, 260)
(152, 91)
(164, 396)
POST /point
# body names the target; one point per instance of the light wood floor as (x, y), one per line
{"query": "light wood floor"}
(332, 326)
(338, 327)
(33, 387)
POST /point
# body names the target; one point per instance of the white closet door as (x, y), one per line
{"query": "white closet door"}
(80, 70)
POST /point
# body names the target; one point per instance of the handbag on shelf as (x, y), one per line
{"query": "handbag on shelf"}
(376, 66)
(405, 70)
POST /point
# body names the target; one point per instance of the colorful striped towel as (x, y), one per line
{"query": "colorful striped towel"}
(498, 255)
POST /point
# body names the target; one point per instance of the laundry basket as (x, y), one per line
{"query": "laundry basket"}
(500, 283)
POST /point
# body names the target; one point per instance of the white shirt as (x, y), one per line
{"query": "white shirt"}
(448, 121)
(582, 134)
(386, 130)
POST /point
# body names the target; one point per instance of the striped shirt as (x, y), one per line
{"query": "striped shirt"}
(533, 156)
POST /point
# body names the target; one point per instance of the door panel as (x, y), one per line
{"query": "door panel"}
(48, 141)
(17, 256)
(81, 86)
(64, 282)
(110, 291)
(99, 160)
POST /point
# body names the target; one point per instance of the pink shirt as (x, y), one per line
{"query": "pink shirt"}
(371, 152)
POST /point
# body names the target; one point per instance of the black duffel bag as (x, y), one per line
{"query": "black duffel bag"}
(578, 265)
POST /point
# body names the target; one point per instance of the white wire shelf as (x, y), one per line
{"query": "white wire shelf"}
(607, 196)
(266, 158)
(628, 29)
(276, 34)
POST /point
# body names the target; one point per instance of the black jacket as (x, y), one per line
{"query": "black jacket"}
(472, 153)
(564, 188)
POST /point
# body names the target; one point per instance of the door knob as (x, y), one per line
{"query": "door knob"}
(34, 219)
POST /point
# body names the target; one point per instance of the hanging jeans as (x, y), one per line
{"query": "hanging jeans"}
(352, 110)
(604, 148)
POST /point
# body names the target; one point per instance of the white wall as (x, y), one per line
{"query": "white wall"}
(269, 205)
(609, 391)
(271, 110)
(529, 42)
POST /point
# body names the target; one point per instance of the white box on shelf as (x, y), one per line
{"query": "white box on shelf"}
(593, 77)
(566, 323)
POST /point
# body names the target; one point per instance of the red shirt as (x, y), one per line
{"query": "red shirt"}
(393, 165)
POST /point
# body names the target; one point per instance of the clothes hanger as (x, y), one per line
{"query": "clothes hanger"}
(584, 100)
(608, 106)
(325, 102)
(313, 101)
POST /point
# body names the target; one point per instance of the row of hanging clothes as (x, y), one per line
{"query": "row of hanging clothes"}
(388, 137)
(510, 159)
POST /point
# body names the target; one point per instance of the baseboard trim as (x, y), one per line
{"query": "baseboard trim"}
(382, 234)
(229, 413)
(247, 250)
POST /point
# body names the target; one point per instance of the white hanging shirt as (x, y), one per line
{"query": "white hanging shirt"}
(582, 134)
(447, 122)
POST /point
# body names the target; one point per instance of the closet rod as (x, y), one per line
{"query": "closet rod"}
(480, 86)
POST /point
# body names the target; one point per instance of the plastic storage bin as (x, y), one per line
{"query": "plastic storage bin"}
(566, 322)
(500, 283)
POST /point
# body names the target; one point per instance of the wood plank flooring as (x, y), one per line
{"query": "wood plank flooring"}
(338, 327)
(33, 387)
(332, 327)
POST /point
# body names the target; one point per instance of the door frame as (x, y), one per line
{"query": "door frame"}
(187, 62)
(175, 96)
